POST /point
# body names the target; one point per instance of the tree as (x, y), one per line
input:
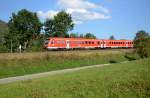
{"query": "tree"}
(141, 44)
(73, 35)
(23, 28)
(112, 37)
(81, 36)
(90, 35)
(60, 25)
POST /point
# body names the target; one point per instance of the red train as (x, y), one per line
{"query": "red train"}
(82, 43)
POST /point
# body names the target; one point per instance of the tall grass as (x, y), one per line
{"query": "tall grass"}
(27, 63)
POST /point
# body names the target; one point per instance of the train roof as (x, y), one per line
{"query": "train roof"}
(86, 39)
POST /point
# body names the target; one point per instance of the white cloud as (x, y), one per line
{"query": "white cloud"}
(81, 4)
(76, 4)
(81, 11)
(47, 15)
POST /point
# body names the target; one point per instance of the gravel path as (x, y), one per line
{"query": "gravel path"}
(39, 75)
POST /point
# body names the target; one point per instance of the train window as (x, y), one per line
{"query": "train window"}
(89, 42)
(46, 41)
(58, 42)
(78, 42)
(92, 42)
(52, 42)
(63, 42)
(86, 42)
(97, 42)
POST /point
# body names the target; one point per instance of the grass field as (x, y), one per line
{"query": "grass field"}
(128, 80)
(27, 63)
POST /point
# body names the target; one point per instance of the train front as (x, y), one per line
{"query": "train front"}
(46, 43)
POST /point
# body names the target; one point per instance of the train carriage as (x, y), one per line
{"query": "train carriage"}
(81, 43)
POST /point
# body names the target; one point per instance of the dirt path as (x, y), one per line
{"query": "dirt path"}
(39, 75)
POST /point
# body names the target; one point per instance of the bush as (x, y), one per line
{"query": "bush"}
(3, 48)
(37, 45)
(112, 61)
(141, 44)
(131, 56)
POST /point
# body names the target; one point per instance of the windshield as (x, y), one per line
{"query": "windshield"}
(46, 41)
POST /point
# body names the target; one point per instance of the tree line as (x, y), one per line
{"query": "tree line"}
(25, 29)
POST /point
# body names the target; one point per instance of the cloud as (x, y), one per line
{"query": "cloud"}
(81, 11)
(76, 4)
(47, 15)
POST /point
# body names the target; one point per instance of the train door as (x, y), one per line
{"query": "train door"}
(104, 44)
(126, 44)
(101, 43)
(67, 44)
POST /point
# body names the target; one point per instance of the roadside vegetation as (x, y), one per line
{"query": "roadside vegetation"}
(124, 80)
(27, 63)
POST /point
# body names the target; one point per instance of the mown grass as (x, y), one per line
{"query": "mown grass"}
(28, 63)
(124, 80)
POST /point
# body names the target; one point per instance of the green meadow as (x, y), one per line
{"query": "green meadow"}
(121, 80)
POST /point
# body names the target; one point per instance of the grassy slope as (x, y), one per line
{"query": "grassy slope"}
(27, 63)
(130, 80)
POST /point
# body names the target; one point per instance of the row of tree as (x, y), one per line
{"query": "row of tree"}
(25, 29)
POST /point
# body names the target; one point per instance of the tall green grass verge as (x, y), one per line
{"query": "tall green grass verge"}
(124, 80)
(28, 63)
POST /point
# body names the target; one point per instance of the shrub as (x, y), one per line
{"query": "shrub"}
(131, 56)
(141, 44)
(3, 48)
(112, 61)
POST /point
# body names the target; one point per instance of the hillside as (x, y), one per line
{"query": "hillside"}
(3, 29)
(3, 26)
(128, 80)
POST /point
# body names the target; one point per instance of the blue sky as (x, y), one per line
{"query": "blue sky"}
(121, 18)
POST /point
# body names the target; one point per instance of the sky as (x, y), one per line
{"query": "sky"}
(103, 18)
